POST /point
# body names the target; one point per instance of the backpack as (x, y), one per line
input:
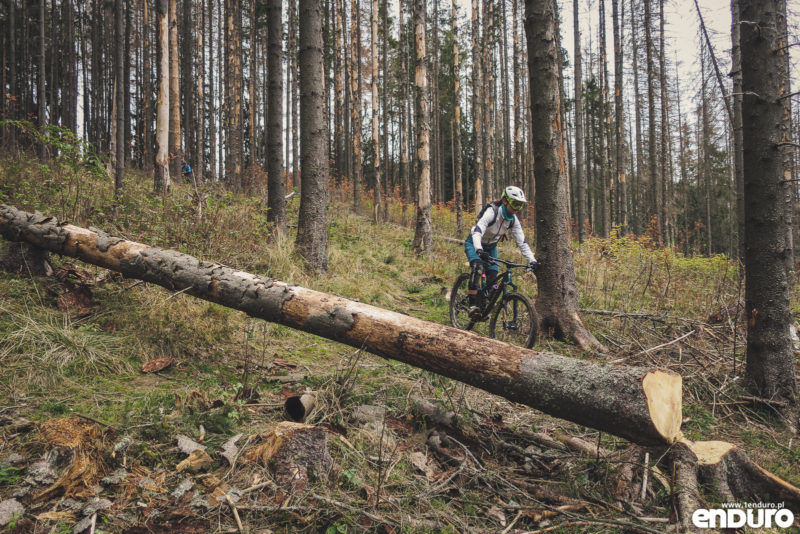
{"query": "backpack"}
(496, 207)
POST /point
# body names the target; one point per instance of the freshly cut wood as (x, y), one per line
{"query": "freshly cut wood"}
(727, 473)
(639, 404)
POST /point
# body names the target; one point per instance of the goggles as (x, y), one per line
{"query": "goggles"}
(515, 204)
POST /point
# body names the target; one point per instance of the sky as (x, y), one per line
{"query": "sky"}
(682, 32)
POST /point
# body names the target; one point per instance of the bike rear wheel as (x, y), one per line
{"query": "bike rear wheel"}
(459, 303)
(515, 321)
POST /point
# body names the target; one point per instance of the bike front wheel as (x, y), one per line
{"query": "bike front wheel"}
(515, 321)
(459, 303)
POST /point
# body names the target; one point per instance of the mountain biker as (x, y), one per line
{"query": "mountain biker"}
(494, 221)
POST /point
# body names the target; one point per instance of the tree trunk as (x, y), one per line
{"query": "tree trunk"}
(404, 118)
(602, 141)
(487, 92)
(147, 100)
(665, 204)
(175, 152)
(558, 292)
(375, 122)
(212, 109)
(312, 231)
(618, 118)
(639, 404)
(277, 205)
(252, 144)
(338, 125)
(738, 156)
(423, 233)
(787, 146)
(119, 98)
(199, 164)
(459, 189)
(162, 175)
(639, 207)
(580, 177)
(355, 101)
(187, 87)
(40, 94)
(770, 359)
(477, 113)
(654, 205)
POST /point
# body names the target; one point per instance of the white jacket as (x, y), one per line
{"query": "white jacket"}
(485, 233)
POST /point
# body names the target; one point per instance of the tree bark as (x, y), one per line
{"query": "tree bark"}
(312, 231)
(770, 358)
(355, 102)
(459, 188)
(477, 114)
(738, 155)
(147, 100)
(642, 405)
(580, 177)
(119, 99)
(618, 126)
(162, 176)
(558, 291)
(277, 205)
(423, 233)
(653, 207)
(175, 152)
(375, 122)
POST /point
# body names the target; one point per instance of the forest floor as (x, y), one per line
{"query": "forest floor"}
(94, 436)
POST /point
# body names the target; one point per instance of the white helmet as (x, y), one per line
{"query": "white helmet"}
(515, 197)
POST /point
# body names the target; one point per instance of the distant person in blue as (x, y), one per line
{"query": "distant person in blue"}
(186, 170)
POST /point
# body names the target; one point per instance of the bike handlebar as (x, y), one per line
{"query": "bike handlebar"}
(510, 264)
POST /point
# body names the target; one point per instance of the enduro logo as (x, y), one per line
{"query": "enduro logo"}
(738, 515)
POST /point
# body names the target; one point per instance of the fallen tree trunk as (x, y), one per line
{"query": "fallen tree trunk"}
(638, 404)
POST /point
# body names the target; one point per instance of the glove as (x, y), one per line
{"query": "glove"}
(534, 266)
(482, 254)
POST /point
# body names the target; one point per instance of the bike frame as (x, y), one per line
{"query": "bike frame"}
(503, 282)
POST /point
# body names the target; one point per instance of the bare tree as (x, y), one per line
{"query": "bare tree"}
(375, 122)
(162, 177)
(312, 231)
(770, 359)
(580, 177)
(119, 97)
(423, 234)
(459, 190)
(477, 101)
(558, 292)
(277, 205)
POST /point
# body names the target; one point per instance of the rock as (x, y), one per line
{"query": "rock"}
(14, 459)
(122, 445)
(185, 485)
(9, 510)
(230, 450)
(198, 461)
(117, 477)
(96, 505)
(420, 461)
(188, 446)
(367, 413)
(43, 471)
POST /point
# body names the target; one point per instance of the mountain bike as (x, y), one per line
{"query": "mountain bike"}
(512, 316)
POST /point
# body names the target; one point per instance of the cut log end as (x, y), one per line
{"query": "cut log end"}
(663, 392)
